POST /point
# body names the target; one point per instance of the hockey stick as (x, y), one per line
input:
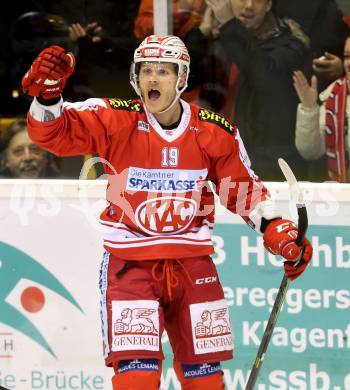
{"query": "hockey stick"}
(302, 227)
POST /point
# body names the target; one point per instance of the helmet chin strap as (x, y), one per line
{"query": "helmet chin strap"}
(176, 99)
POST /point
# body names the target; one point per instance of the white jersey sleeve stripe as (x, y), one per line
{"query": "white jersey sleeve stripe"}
(43, 113)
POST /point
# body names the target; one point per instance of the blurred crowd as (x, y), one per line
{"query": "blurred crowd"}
(279, 69)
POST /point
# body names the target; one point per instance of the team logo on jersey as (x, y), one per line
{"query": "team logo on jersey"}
(165, 181)
(135, 325)
(209, 116)
(135, 321)
(129, 105)
(143, 126)
(211, 327)
(165, 215)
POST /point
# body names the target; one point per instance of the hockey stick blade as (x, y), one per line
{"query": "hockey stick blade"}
(295, 190)
(297, 194)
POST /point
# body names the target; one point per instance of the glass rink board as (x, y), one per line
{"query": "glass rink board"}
(50, 254)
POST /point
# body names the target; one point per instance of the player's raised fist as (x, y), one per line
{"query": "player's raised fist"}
(49, 73)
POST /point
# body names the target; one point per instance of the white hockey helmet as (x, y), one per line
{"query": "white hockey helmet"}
(162, 48)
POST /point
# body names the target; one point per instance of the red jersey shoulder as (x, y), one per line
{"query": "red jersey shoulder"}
(219, 120)
(132, 105)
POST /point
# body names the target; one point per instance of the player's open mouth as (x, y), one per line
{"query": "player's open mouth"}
(153, 94)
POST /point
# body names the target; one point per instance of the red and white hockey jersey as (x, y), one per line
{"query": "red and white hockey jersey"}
(160, 204)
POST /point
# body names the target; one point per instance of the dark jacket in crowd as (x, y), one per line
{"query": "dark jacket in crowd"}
(265, 103)
(321, 20)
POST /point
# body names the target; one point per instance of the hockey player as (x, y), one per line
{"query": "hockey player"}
(159, 153)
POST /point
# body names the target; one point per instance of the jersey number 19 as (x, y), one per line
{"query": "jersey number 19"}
(170, 157)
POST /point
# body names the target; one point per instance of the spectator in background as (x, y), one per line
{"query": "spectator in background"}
(93, 31)
(96, 45)
(324, 22)
(324, 129)
(266, 50)
(187, 14)
(210, 67)
(104, 52)
(113, 22)
(346, 19)
(21, 158)
(30, 32)
(102, 47)
(105, 40)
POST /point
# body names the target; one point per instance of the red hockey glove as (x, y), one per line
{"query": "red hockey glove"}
(49, 73)
(279, 239)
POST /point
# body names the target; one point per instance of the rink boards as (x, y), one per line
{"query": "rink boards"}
(50, 253)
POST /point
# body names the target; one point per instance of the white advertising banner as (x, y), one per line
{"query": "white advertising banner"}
(50, 254)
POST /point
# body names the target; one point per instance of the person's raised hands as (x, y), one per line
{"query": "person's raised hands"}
(307, 93)
(92, 31)
(328, 66)
(222, 10)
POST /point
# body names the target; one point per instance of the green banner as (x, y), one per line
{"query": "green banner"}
(310, 346)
